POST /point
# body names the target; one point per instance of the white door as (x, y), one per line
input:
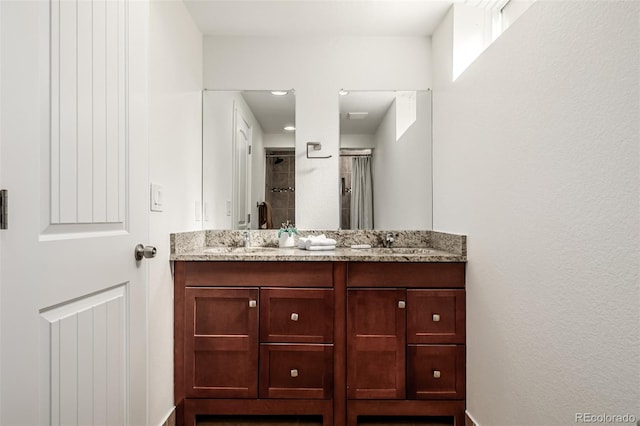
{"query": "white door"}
(242, 172)
(74, 160)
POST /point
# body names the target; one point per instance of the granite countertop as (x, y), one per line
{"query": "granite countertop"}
(409, 246)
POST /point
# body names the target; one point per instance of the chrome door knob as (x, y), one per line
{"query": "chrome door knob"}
(142, 252)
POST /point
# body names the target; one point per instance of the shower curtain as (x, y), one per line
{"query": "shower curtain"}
(361, 193)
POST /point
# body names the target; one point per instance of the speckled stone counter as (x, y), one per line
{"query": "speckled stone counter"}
(409, 246)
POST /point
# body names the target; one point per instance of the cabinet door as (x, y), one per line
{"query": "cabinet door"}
(221, 342)
(376, 344)
(435, 316)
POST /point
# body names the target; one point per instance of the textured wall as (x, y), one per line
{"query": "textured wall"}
(536, 152)
(175, 82)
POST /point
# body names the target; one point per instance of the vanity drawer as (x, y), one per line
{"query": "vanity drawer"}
(296, 371)
(435, 316)
(405, 274)
(296, 315)
(435, 372)
(258, 274)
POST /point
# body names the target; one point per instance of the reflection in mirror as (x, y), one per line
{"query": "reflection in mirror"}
(385, 160)
(280, 186)
(239, 130)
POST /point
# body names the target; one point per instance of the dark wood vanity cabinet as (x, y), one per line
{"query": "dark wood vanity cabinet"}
(333, 339)
(405, 340)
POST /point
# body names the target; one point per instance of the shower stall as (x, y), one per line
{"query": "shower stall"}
(356, 191)
(280, 185)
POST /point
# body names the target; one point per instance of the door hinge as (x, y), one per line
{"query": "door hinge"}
(4, 209)
(248, 217)
(249, 149)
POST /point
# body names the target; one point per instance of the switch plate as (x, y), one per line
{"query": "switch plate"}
(157, 197)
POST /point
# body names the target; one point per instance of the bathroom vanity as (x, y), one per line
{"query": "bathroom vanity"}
(340, 334)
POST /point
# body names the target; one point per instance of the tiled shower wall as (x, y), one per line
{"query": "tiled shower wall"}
(345, 192)
(280, 184)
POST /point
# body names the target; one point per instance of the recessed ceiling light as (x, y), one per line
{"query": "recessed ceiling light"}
(343, 92)
(289, 128)
(279, 92)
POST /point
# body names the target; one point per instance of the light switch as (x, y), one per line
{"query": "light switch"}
(157, 197)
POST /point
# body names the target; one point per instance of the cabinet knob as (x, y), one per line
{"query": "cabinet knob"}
(436, 374)
(294, 316)
(402, 304)
(253, 303)
(436, 317)
(294, 372)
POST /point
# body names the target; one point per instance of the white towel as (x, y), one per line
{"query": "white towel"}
(321, 248)
(315, 241)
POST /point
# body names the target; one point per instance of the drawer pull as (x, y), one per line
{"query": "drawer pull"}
(294, 316)
(253, 303)
(402, 304)
(436, 374)
(436, 317)
(294, 372)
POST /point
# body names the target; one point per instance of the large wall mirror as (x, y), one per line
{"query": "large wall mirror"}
(385, 165)
(248, 159)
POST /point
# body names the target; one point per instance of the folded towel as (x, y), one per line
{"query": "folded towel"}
(315, 241)
(320, 243)
(321, 248)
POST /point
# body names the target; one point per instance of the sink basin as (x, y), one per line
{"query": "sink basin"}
(223, 250)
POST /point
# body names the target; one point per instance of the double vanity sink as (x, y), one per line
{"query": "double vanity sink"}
(338, 254)
(409, 246)
(340, 334)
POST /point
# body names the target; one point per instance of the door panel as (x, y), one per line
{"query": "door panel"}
(88, 348)
(74, 144)
(375, 344)
(242, 171)
(222, 335)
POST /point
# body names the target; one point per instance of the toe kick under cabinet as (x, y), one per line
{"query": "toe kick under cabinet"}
(340, 340)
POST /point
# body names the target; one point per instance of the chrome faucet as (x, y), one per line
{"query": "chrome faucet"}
(245, 238)
(388, 239)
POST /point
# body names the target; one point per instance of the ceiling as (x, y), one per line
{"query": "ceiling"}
(385, 18)
(272, 112)
(375, 103)
(275, 112)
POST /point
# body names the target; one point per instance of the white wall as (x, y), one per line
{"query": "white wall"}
(279, 140)
(217, 154)
(175, 84)
(357, 141)
(536, 153)
(317, 68)
(402, 171)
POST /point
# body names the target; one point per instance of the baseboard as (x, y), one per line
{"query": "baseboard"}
(469, 420)
(170, 418)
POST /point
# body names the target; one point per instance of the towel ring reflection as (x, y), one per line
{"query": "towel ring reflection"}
(317, 146)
